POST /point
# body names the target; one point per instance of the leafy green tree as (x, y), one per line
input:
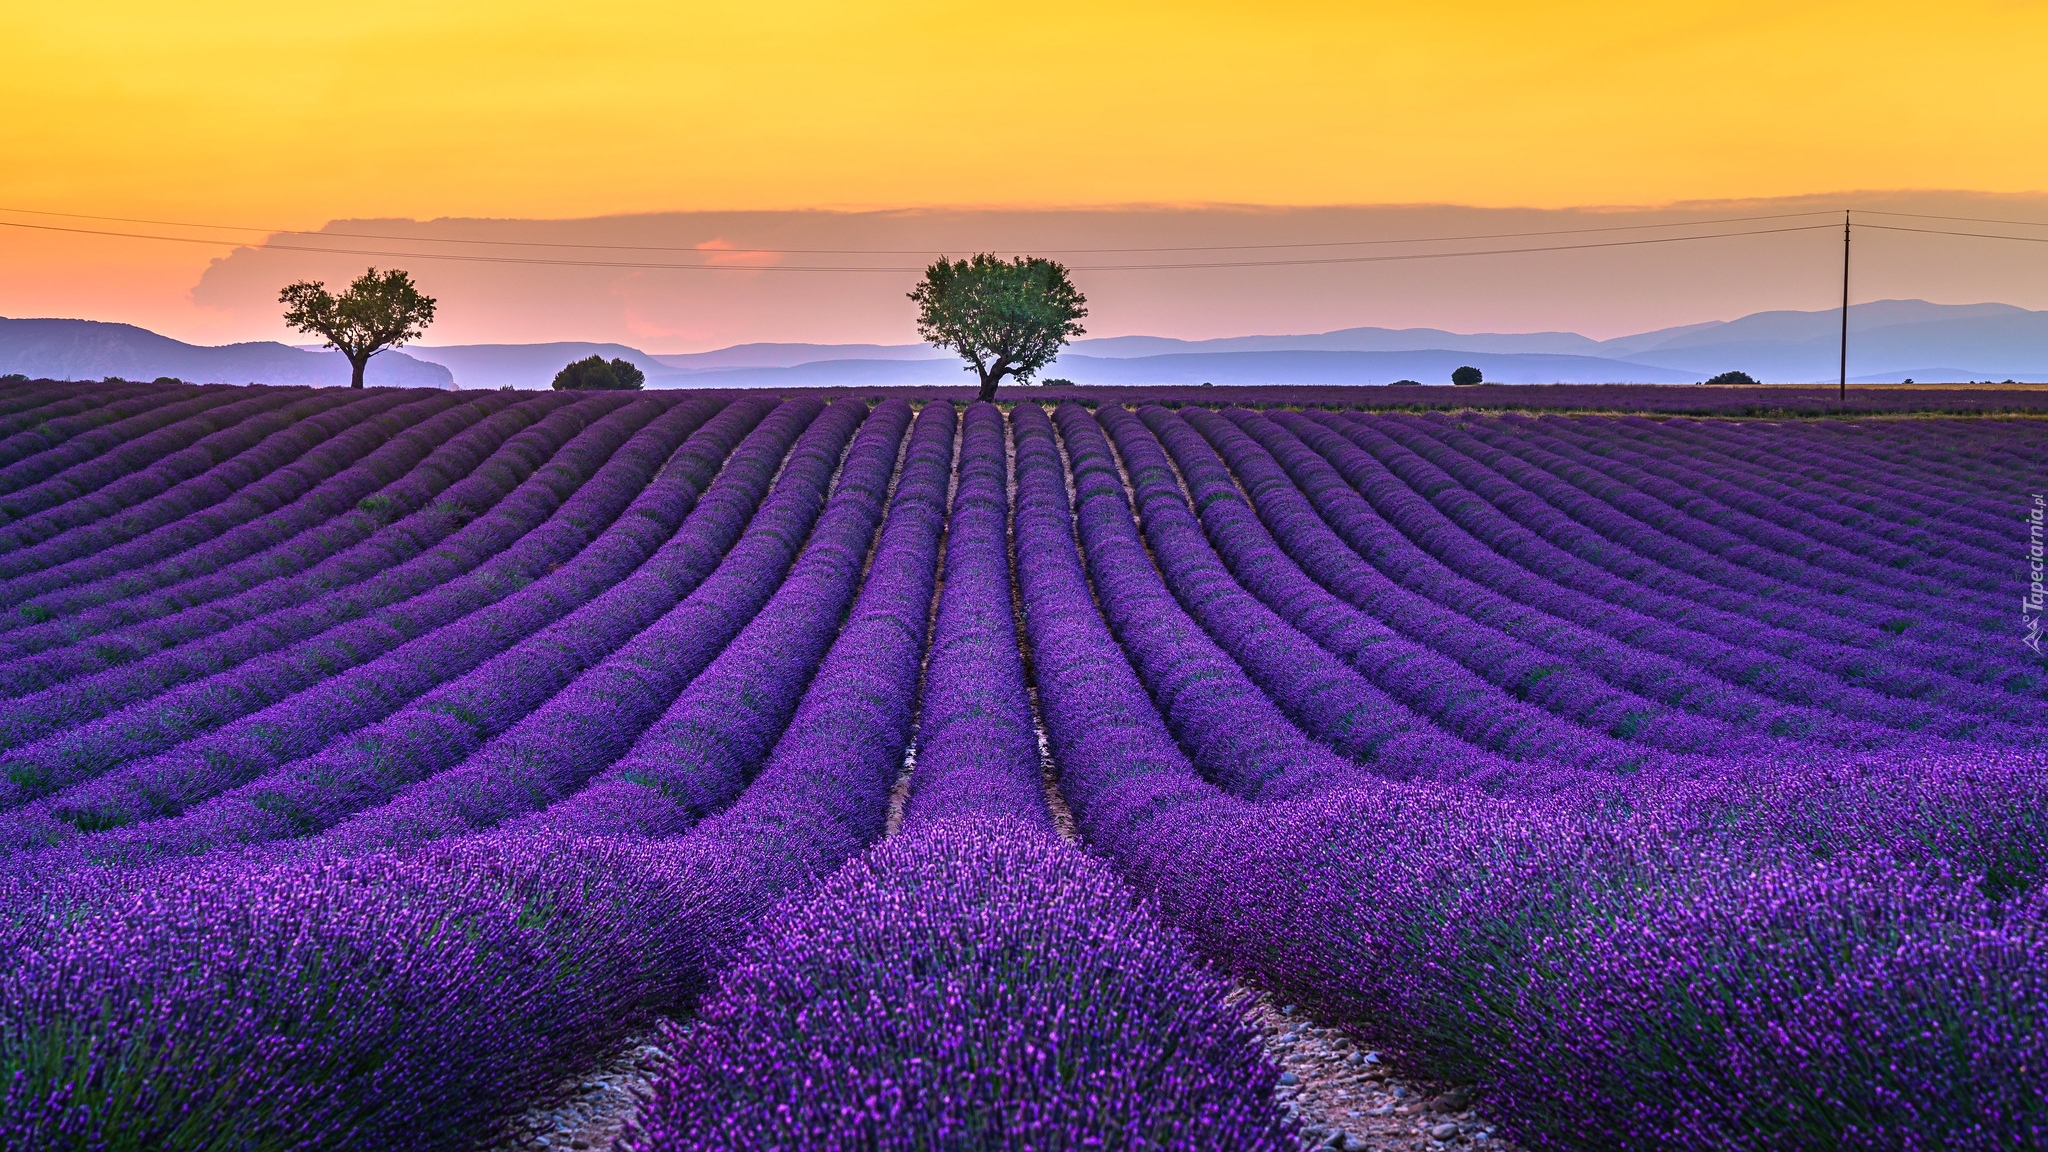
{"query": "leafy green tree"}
(1732, 378)
(378, 311)
(593, 373)
(1467, 375)
(1007, 317)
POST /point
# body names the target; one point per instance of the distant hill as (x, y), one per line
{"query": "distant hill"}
(535, 365)
(527, 365)
(1430, 366)
(92, 350)
(1890, 340)
(1352, 340)
(791, 355)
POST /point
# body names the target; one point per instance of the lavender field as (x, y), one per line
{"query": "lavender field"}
(374, 765)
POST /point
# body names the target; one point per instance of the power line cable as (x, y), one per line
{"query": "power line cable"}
(1949, 232)
(1447, 255)
(652, 266)
(909, 251)
(1955, 219)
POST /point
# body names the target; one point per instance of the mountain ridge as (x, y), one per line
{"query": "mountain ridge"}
(1889, 340)
(94, 349)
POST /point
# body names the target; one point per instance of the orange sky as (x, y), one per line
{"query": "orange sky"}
(292, 115)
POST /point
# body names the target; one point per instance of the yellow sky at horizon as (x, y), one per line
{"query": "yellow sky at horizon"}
(294, 115)
(290, 116)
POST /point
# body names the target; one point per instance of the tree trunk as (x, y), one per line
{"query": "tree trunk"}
(356, 364)
(989, 377)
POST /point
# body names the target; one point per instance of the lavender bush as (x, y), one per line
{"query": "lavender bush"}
(972, 982)
(378, 763)
(967, 985)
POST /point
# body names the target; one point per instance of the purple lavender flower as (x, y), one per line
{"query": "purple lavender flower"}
(968, 985)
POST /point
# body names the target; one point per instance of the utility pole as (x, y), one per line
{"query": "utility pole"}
(1843, 386)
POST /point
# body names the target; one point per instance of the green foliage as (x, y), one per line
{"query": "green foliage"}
(1467, 375)
(595, 374)
(1007, 317)
(384, 508)
(1732, 378)
(378, 311)
(166, 381)
(14, 378)
(1406, 384)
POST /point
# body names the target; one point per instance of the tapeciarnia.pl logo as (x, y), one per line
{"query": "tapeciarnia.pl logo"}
(2031, 603)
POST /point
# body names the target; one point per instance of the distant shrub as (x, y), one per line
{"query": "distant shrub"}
(166, 381)
(116, 380)
(1467, 375)
(380, 506)
(1732, 378)
(595, 374)
(14, 378)
(1208, 384)
(1059, 382)
(1406, 384)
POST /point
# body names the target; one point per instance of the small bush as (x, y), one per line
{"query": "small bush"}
(1059, 382)
(14, 378)
(1406, 384)
(384, 508)
(166, 381)
(1732, 378)
(1467, 375)
(595, 374)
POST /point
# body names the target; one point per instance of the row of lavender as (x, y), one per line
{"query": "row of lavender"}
(165, 1093)
(1814, 949)
(1346, 726)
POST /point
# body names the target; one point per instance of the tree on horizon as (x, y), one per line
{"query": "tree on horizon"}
(1007, 317)
(378, 311)
(592, 373)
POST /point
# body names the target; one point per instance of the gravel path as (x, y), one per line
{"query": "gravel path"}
(590, 1109)
(1345, 1096)
(1348, 1098)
